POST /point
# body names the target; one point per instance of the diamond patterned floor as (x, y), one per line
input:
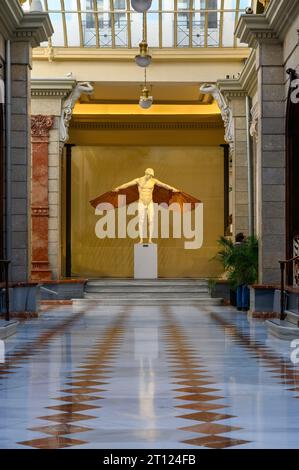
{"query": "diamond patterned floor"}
(147, 377)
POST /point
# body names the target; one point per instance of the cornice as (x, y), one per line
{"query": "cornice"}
(207, 54)
(252, 29)
(44, 88)
(192, 125)
(248, 77)
(245, 84)
(17, 25)
(10, 17)
(35, 27)
(271, 25)
(231, 87)
(281, 14)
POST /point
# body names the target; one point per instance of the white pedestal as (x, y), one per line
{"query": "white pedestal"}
(146, 261)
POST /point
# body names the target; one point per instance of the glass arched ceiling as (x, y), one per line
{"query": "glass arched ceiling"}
(170, 23)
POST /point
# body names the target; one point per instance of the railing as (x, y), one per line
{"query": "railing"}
(282, 284)
(4, 264)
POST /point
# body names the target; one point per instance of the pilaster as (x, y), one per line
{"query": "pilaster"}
(47, 99)
(40, 127)
(271, 160)
(56, 97)
(237, 102)
(20, 161)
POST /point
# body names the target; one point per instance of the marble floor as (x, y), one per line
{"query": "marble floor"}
(147, 377)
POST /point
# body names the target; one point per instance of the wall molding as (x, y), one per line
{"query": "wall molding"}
(245, 84)
(53, 88)
(145, 125)
(199, 54)
(49, 93)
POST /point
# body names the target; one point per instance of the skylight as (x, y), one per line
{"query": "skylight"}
(170, 23)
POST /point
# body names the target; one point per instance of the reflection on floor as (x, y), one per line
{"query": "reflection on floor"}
(147, 377)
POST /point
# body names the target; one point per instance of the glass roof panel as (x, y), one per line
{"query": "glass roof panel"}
(169, 23)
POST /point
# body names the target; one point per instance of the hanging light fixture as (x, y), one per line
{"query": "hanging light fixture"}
(145, 100)
(143, 59)
(141, 5)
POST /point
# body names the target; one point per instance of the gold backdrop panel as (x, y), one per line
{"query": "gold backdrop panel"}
(97, 169)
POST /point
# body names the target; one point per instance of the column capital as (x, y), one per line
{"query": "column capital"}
(41, 125)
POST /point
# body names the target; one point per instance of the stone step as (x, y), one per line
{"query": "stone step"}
(90, 302)
(119, 291)
(145, 295)
(147, 282)
(292, 317)
(282, 329)
(146, 289)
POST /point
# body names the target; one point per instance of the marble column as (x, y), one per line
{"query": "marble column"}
(40, 127)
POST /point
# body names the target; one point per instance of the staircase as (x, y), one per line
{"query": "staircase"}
(149, 292)
(289, 327)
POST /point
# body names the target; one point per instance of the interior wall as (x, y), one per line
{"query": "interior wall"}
(198, 170)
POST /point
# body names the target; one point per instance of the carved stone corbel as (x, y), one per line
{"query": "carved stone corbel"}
(82, 88)
(226, 112)
(254, 122)
(2, 91)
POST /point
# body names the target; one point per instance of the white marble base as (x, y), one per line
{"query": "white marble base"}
(146, 261)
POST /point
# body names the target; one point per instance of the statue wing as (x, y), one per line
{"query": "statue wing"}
(162, 195)
(182, 198)
(111, 197)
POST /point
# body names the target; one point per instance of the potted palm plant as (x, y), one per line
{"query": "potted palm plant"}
(240, 262)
